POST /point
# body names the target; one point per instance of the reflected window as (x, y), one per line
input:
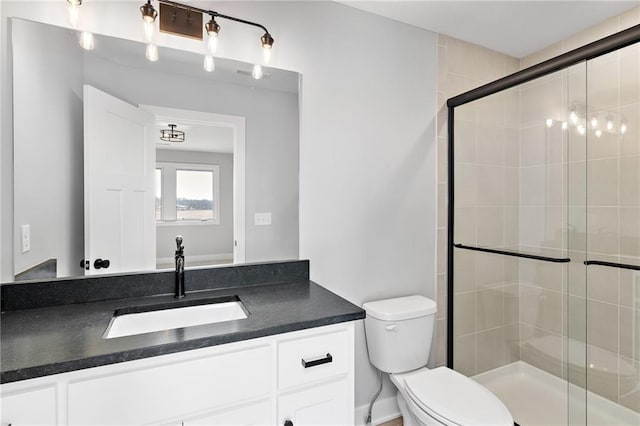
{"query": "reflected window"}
(194, 195)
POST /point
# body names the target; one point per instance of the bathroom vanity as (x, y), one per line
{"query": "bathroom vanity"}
(291, 359)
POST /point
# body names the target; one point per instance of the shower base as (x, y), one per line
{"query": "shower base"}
(535, 397)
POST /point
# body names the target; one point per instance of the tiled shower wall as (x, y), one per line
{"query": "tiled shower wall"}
(461, 67)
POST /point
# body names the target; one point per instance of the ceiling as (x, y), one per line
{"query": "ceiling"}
(517, 28)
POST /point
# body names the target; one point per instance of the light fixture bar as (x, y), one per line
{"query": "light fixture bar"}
(215, 14)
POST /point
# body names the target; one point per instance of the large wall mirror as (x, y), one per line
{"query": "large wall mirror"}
(115, 155)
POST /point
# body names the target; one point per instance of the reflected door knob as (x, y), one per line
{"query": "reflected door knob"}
(100, 263)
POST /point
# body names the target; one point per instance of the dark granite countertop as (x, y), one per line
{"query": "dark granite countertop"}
(56, 339)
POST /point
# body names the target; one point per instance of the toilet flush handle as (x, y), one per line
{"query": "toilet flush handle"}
(392, 327)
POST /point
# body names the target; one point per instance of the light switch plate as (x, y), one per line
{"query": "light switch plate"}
(262, 219)
(25, 237)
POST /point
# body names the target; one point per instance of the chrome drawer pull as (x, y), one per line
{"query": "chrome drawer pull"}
(319, 361)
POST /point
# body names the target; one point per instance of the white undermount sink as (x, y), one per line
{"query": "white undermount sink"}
(166, 317)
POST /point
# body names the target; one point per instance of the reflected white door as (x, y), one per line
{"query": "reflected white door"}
(119, 191)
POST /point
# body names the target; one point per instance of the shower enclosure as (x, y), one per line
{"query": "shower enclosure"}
(544, 236)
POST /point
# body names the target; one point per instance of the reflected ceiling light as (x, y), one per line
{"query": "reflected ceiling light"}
(152, 52)
(581, 129)
(609, 122)
(73, 7)
(598, 133)
(573, 116)
(549, 122)
(594, 122)
(86, 40)
(209, 64)
(623, 126)
(171, 134)
(257, 72)
(565, 125)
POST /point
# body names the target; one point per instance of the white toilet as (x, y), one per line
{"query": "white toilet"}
(399, 333)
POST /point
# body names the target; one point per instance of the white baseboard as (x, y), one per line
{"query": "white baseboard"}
(198, 258)
(383, 411)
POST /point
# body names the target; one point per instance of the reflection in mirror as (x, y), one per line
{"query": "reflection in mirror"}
(93, 181)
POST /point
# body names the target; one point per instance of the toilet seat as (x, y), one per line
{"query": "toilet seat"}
(452, 398)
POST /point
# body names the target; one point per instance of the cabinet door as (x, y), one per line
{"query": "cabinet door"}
(247, 415)
(37, 407)
(321, 405)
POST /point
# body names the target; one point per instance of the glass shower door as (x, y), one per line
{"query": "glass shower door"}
(613, 238)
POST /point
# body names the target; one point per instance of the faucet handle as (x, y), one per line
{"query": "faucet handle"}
(179, 241)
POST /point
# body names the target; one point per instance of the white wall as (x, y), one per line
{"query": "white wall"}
(48, 149)
(367, 154)
(200, 239)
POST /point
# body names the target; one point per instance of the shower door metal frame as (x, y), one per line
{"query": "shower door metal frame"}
(590, 51)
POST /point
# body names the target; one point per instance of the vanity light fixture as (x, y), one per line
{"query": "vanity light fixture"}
(73, 7)
(149, 15)
(211, 27)
(171, 134)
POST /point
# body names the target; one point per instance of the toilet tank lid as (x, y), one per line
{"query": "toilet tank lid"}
(400, 308)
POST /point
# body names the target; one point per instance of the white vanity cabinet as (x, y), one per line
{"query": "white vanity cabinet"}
(29, 406)
(303, 376)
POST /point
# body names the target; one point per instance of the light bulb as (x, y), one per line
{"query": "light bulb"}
(257, 72)
(609, 122)
(266, 52)
(267, 44)
(209, 64)
(149, 30)
(549, 122)
(594, 122)
(581, 129)
(212, 43)
(74, 14)
(598, 133)
(152, 52)
(573, 117)
(86, 40)
(565, 125)
(623, 127)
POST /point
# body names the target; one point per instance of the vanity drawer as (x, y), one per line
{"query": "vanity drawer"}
(325, 356)
(152, 395)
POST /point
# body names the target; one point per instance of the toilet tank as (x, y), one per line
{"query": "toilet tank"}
(399, 332)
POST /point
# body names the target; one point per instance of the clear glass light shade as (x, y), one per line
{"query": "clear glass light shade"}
(257, 72)
(149, 30)
(212, 43)
(209, 64)
(152, 52)
(74, 14)
(86, 40)
(266, 53)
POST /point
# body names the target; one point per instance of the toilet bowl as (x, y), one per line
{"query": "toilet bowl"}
(399, 333)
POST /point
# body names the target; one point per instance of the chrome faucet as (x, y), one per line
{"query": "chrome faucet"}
(179, 268)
